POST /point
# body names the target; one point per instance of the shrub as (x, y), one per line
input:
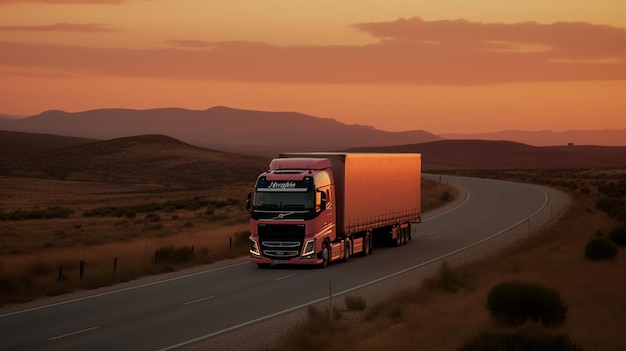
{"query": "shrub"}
(210, 211)
(528, 338)
(355, 303)
(153, 217)
(600, 248)
(513, 303)
(447, 279)
(445, 197)
(172, 254)
(50, 212)
(614, 207)
(321, 318)
(618, 236)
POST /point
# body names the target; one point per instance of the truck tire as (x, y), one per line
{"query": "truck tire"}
(405, 237)
(398, 241)
(325, 254)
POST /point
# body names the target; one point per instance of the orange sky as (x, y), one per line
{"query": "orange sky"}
(448, 66)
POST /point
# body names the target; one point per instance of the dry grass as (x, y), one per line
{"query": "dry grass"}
(436, 194)
(33, 251)
(431, 318)
(42, 256)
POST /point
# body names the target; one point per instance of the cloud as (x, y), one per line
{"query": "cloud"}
(64, 2)
(60, 27)
(409, 51)
(193, 44)
(565, 38)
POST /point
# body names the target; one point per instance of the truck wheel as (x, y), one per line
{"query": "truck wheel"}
(325, 254)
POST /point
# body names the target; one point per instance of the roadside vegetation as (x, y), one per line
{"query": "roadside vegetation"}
(570, 287)
(61, 236)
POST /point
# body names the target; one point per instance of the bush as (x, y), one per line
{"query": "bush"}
(447, 279)
(321, 318)
(49, 213)
(614, 207)
(514, 303)
(445, 197)
(355, 303)
(600, 248)
(529, 338)
(618, 236)
(172, 254)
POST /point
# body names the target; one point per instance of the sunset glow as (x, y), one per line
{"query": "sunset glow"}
(445, 67)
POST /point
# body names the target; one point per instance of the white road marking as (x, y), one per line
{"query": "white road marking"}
(234, 327)
(73, 333)
(285, 277)
(198, 300)
(139, 286)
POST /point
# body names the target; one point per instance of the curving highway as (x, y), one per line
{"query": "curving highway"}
(180, 311)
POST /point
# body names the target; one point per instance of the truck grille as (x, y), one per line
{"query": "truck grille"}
(281, 241)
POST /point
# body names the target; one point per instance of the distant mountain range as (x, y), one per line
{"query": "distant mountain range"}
(265, 133)
(221, 128)
(65, 140)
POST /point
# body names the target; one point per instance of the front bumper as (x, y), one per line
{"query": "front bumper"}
(293, 261)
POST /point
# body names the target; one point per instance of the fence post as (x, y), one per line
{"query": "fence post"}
(230, 243)
(115, 264)
(82, 269)
(60, 273)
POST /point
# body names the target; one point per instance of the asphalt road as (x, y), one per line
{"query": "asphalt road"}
(176, 312)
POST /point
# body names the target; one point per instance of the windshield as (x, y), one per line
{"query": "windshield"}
(284, 200)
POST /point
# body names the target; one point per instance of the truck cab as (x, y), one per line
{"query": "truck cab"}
(292, 216)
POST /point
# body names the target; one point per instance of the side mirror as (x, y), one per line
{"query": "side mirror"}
(323, 200)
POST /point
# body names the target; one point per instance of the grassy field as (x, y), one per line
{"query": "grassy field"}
(121, 231)
(50, 226)
(435, 316)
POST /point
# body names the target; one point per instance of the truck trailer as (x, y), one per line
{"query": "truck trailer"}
(318, 207)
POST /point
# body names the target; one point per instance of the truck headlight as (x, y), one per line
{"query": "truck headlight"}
(254, 248)
(309, 249)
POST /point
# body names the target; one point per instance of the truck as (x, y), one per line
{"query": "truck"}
(313, 208)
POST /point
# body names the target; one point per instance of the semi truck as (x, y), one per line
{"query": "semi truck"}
(313, 208)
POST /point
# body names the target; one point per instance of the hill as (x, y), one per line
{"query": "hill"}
(486, 154)
(162, 159)
(221, 128)
(139, 159)
(21, 142)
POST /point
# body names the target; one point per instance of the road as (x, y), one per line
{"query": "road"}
(179, 311)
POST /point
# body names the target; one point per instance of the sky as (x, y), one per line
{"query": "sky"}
(446, 66)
